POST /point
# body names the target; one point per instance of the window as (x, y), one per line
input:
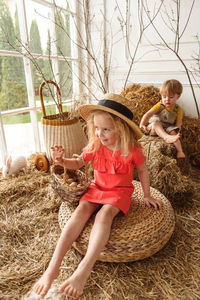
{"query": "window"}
(35, 45)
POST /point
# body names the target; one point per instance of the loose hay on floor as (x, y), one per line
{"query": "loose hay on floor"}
(29, 231)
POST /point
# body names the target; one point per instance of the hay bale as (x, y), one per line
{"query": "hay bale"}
(142, 97)
(170, 177)
(190, 137)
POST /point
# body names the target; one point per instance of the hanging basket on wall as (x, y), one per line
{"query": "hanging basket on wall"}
(60, 129)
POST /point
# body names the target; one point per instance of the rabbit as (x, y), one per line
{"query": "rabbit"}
(13, 167)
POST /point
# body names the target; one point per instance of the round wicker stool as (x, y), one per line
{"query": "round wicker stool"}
(138, 235)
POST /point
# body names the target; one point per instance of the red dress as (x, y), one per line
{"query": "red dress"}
(113, 176)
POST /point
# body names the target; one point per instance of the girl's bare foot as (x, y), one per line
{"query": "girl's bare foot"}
(170, 139)
(180, 154)
(73, 286)
(42, 286)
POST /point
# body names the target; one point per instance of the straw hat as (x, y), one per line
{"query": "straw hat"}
(115, 104)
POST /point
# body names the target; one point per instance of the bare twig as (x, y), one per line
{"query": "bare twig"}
(175, 49)
(142, 30)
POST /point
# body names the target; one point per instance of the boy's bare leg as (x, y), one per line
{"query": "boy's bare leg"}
(99, 236)
(69, 234)
(168, 138)
(180, 153)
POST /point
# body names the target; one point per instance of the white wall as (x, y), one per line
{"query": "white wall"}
(154, 63)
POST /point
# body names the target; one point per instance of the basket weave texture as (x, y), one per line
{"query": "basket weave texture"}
(67, 193)
(138, 235)
(67, 131)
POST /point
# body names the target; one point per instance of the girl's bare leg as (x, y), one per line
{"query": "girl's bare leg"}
(168, 138)
(69, 234)
(99, 236)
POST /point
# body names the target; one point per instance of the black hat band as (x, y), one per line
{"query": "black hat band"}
(120, 108)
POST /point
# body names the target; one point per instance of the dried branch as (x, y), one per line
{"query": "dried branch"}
(142, 30)
(175, 50)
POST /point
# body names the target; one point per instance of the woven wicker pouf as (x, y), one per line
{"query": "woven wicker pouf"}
(138, 235)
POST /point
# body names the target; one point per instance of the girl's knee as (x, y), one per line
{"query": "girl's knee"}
(107, 213)
(85, 208)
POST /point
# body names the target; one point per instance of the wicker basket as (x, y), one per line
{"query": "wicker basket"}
(69, 193)
(138, 235)
(67, 132)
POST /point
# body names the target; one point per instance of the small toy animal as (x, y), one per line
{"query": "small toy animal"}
(13, 167)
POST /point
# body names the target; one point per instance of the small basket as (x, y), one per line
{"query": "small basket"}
(70, 194)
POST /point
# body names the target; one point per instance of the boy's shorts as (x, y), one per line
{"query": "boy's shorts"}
(167, 126)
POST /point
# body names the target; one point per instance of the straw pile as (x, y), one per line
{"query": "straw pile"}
(191, 139)
(166, 174)
(29, 230)
(142, 97)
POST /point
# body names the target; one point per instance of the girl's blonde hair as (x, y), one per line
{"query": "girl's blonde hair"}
(171, 86)
(124, 131)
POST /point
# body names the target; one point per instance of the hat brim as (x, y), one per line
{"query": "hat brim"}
(85, 110)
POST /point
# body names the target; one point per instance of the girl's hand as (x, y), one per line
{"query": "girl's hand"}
(149, 201)
(57, 154)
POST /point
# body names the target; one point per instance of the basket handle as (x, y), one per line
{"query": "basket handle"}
(41, 95)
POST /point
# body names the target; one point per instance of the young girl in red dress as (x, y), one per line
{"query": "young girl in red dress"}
(114, 152)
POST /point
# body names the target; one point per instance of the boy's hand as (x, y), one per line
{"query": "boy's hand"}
(149, 201)
(144, 128)
(57, 154)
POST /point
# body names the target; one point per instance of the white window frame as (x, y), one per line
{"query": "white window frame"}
(76, 55)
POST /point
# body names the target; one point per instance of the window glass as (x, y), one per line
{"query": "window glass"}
(62, 25)
(42, 42)
(48, 50)
(13, 93)
(65, 69)
(19, 134)
(39, 21)
(61, 3)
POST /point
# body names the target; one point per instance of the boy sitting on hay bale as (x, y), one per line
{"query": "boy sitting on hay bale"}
(165, 117)
(164, 168)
